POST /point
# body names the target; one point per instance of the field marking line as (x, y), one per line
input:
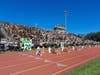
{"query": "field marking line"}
(75, 65)
(15, 73)
(17, 64)
(32, 61)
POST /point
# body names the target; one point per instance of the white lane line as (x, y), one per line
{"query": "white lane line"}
(61, 65)
(29, 62)
(47, 61)
(30, 69)
(74, 65)
(30, 56)
(17, 64)
(15, 73)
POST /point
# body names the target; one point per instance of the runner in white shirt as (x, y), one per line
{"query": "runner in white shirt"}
(49, 49)
(38, 51)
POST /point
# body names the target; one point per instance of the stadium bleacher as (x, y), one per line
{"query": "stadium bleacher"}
(40, 36)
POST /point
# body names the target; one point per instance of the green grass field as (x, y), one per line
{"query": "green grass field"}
(91, 68)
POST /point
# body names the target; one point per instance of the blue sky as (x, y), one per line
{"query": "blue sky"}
(83, 15)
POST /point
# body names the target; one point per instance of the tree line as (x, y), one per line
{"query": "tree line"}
(93, 36)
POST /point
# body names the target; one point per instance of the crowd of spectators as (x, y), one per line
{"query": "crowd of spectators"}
(41, 36)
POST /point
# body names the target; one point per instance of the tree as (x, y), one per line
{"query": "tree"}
(93, 36)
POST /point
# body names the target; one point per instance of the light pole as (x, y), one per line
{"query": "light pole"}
(65, 14)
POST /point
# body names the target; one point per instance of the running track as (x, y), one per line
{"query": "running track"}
(48, 64)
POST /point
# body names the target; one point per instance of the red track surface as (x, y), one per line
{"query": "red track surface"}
(48, 64)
